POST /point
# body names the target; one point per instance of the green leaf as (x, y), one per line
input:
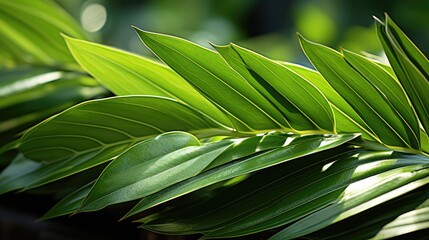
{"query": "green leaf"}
(29, 95)
(70, 203)
(32, 30)
(151, 166)
(128, 74)
(293, 148)
(360, 94)
(411, 221)
(308, 100)
(96, 131)
(210, 74)
(274, 81)
(346, 119)
(359, 197)
(390, 90)
(16, 175)
(410, 66)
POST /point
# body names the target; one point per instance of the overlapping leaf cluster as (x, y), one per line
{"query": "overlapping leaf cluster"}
(229, 143)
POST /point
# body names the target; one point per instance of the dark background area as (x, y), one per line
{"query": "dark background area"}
(268, 27)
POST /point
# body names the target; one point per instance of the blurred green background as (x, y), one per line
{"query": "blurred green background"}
(268, 27)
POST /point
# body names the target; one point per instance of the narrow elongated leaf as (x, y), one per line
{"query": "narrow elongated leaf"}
(151, 166)
(31, 30)
(70, 203)
(378, 189)
(360, 94)
(389, 88)
(16, 175)
(368, 224)
(29, 95)
(210, 74)
(411, 221)
(96, 131)
(128, 74)
(292, 148)
(271, 80)
(410, 66)
(347, 120)
(308, 100)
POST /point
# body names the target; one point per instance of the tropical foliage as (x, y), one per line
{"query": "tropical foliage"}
(221, 143)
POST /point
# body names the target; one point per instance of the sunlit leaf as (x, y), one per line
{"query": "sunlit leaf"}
(32, 30)
(360, 94)
(151, 166)
(128, 74)
(96, 131)
(410, 66)
(211, 75)
(293, 148)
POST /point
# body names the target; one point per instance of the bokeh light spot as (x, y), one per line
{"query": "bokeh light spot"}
(93, 17)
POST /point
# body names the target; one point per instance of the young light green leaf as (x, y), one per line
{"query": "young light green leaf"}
(390, 90)
(210, 74)
(360, 94)
(124, 73)
(293, 148)
(32, 30)
(410, 66)
(151, 166)
(96, 131)
(307, 99)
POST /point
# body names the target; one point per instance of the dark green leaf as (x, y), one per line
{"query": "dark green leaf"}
(151, 166)
(294, 147)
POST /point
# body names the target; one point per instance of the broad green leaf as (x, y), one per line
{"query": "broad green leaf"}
(29, 95)
(410, 66)
(389, 88)
(293, 148)
(96, 131)
(359, 197)
(128, 74)
(360, 94)
(207, 72)
(32, 30)
(308, 100)
(151, 166)
(346, 119)
(70, 203)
